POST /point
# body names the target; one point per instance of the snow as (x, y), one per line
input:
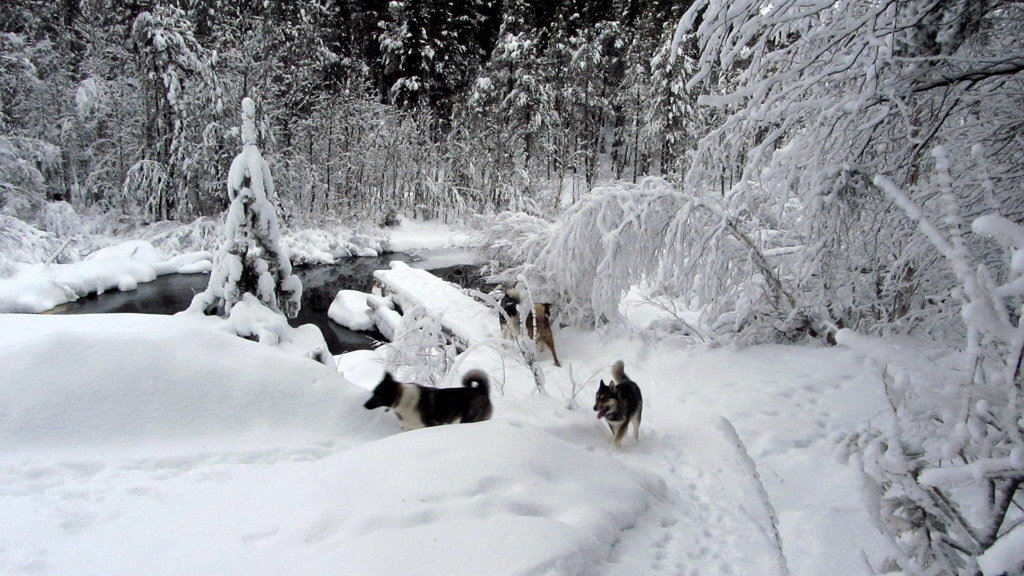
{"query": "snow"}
(40, 287)
(1004, 557)
(364, 368)
(466, 318)
(350, 309)
(415, 235)
(85, 384)
(126, 439)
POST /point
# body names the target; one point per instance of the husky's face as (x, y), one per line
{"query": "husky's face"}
(606, 400)
(386, 394)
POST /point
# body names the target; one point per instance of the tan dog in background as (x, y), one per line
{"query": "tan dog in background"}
(538, 322)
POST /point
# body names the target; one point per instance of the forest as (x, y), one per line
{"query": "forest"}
(367, 107)
(796, 171)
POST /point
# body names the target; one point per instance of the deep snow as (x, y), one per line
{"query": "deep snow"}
(164, 445)
(136, 444)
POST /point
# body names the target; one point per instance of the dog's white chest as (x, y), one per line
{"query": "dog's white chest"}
(408, 408)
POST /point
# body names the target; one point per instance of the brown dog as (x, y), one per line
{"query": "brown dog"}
(538, 322)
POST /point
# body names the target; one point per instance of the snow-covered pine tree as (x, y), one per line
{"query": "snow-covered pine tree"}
(251, 258)
(183, 100)
(427, 47)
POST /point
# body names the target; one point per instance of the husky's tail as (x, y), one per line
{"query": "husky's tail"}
(476, 379)
(513, 295)
(619, 372)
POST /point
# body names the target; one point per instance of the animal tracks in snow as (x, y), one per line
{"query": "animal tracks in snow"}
(697, 527)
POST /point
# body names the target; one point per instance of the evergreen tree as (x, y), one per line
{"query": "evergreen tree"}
(183, 100)
(430, 49)
(251, 258)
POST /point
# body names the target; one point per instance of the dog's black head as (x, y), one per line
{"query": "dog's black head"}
(386, 394)
(606, 401)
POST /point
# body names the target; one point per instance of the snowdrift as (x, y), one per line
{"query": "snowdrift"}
(126, 440)
(119, 379)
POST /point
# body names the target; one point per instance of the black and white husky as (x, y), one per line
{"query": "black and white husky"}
(421, 406)
(620, 404)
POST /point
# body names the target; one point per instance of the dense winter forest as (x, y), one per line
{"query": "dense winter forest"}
(793, 170)
(367, 107)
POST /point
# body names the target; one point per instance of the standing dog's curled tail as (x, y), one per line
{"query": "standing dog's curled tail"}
(476, 379)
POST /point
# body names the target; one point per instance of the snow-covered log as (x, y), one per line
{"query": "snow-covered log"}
(468, 320)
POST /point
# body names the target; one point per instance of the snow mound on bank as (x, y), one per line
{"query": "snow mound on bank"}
(350, 310)
(121, 379)
(39, 287)
(414, 235)
(466, 318)
(309, 246)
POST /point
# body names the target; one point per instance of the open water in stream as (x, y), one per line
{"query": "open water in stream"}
(173, 293)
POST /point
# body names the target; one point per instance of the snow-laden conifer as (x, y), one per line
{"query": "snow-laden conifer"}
(251, 258)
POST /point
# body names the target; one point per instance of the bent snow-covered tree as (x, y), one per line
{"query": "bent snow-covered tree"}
(251, 259)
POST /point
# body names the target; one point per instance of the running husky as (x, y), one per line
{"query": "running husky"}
(421, 406)
(620, 404)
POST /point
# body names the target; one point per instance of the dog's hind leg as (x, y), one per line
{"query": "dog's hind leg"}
(635, 420)
(549, 341)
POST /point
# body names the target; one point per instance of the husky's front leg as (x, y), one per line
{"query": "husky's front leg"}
(620, 432)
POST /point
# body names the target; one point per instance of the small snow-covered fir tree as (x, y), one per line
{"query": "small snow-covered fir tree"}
(251, 258)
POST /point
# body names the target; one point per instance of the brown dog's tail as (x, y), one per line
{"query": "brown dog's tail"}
(476, 379)
(619, 372)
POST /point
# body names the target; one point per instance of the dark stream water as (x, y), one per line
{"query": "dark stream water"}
(173, 293)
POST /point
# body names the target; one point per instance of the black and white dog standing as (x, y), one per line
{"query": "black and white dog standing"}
(620, 404)
(421, 406)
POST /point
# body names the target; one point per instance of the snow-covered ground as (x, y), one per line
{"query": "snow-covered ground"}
(134, 444)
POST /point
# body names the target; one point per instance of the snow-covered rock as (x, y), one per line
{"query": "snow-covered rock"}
(350, 310)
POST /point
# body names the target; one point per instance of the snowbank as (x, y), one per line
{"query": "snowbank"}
(330, 242)
(350, 310)
(325, 246)
(127, 439)
(122, 379)
(415, 235)
(39, 287)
